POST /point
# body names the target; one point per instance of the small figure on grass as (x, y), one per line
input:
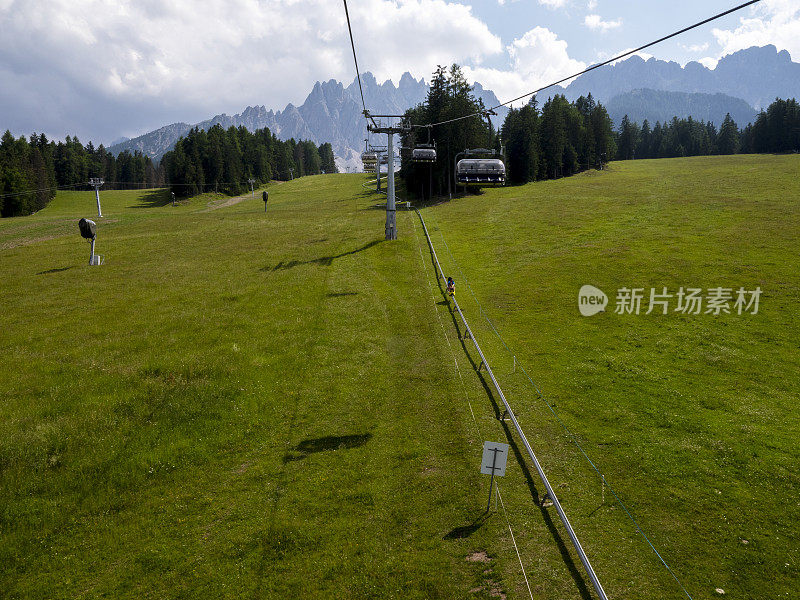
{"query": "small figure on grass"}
(451, 287)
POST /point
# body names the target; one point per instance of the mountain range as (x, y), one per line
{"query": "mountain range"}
(652, 89)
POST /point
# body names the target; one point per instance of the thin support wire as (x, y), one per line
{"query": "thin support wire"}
(469, 403)
(561, 422)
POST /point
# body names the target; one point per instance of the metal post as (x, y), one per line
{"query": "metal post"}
(91, 252)
(391, 225)
(97, 183)
(378, 169)
(491, 481)
(252, 191)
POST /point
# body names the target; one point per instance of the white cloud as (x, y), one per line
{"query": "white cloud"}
(536, 59)
(592, 4)
(695, 47)
(772, 22)
(595, 22)
(125, 67)
(708, 62)
(553, 3)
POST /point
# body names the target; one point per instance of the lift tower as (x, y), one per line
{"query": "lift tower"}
(389, 130)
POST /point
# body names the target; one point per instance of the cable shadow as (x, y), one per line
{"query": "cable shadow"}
(577, 576)
(325, 261)
(56, 270)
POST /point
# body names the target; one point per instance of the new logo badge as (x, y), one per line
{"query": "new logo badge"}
(591, 300)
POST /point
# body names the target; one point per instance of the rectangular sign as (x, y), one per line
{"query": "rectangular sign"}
(495, 455)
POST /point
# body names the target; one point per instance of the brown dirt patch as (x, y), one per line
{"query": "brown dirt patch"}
(480, 556)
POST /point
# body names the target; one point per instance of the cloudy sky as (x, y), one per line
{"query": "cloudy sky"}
(102, 69)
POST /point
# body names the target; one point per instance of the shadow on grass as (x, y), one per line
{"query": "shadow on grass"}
(325, 444)
(55, 270)
(340, 294)
(154, 199)
(465, 531)
(325, 261)
(548, 521)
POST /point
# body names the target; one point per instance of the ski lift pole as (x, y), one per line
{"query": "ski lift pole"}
(378, 169)
(391, 222)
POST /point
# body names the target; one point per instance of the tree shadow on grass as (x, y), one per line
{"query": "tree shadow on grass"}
(154, 199)
(325, 261)
(324, 444)
(548, 521)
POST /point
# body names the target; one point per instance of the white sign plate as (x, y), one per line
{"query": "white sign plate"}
(494, 454)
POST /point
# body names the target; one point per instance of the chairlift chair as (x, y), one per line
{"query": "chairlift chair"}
(481, 172)
(424, 153)
(369, 158)
(488, 171)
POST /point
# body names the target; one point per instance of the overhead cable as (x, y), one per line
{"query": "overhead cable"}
(602, 64)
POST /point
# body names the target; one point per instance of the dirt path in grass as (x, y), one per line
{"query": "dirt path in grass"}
(224, 203)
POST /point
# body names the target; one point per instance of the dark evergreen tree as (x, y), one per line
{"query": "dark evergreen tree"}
(728, 139)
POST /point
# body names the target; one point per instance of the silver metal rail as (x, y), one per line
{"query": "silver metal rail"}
(550, 492)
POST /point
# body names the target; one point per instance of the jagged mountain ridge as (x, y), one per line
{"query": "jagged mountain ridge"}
(757, 75)
(331, 113)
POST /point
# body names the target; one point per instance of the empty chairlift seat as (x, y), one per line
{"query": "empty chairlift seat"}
(481, 171)
(370, 161)
(423, 155)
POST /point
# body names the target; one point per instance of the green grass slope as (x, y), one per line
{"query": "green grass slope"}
(693, 419)
(270, 406)
(236, 404)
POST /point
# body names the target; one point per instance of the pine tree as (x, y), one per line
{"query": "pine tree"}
(728, 139)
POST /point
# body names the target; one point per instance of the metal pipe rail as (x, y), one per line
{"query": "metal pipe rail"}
(550, 492)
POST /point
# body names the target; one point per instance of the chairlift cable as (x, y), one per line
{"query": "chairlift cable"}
(601, 64)
(355, 59)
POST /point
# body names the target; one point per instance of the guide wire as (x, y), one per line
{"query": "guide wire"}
(559, 420)
(469, 402)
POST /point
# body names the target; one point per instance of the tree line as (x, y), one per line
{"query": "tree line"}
(223, 160)
(561, 139)
(32, 169)
(449, 97)
(775, 130)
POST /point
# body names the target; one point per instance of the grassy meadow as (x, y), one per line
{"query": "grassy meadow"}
(240, 404)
